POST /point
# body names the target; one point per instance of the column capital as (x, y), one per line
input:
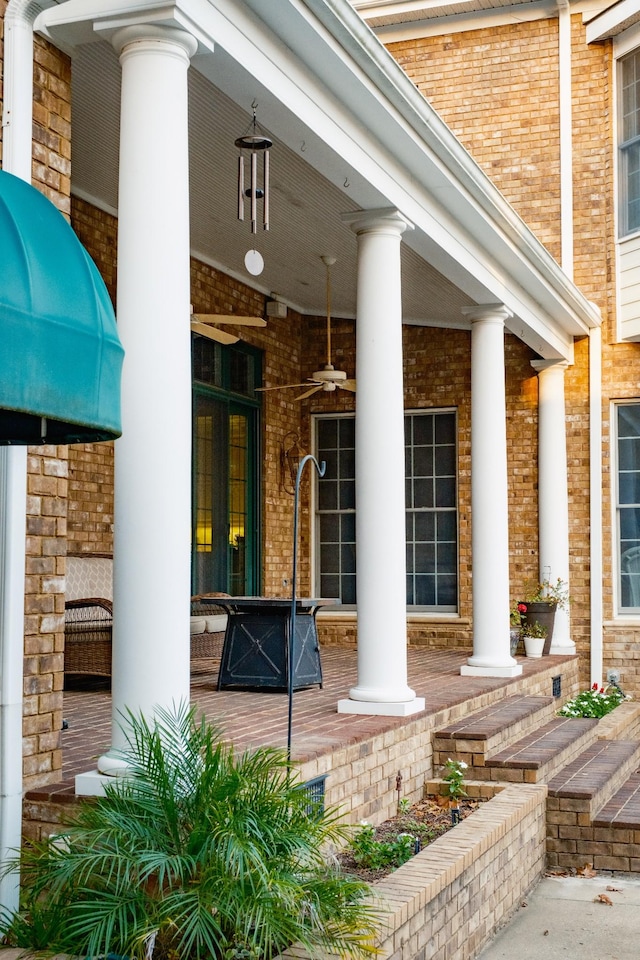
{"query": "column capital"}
(380, 220)
(540, 366)
(487, 311)
(142, 34)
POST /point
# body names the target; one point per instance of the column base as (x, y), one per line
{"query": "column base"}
(92, 784)
(564, 649)
(382, 709)
(491, 670)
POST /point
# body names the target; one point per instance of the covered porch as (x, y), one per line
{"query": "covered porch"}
(360, 756)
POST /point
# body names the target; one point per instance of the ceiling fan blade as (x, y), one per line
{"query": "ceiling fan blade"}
(303, 396)
(282, 386)
(212, 333)
(229, 318)
(346, 385)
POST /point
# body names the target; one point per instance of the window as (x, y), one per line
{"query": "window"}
(431, 509)
(629, 140)
(224, 538)
(628, 506)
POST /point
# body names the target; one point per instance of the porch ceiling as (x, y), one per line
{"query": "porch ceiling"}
(305, 206)
(350, 132)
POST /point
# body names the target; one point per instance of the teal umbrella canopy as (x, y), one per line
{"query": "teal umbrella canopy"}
(60, 355)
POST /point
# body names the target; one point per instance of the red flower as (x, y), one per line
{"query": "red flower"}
(595, 686)
(522, 608)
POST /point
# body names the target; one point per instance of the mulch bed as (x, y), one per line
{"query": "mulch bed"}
(426, 820)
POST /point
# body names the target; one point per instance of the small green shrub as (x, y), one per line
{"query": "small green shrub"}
(596, 702)
(453, 776)
(378, 854)
(200, 855)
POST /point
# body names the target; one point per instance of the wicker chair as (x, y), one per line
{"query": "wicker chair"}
(208, 624)
(88, 622)
(87, 636)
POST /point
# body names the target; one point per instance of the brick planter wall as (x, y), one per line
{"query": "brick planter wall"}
(450, 899)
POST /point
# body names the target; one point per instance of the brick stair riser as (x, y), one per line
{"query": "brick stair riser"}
(573, 841)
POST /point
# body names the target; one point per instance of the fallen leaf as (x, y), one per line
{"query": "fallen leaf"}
(546, 933)
(603, 898)
(588, 871)
(524, 904)
(614, 889)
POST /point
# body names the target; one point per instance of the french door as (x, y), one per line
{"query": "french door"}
(225, 540)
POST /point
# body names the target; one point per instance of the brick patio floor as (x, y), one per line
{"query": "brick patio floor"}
(250, 719)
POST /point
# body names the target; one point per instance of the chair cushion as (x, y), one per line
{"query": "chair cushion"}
(216, 623)
(198, 625)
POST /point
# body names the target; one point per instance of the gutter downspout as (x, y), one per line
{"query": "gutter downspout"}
(16, 159)
(595, 502)
(566, 137)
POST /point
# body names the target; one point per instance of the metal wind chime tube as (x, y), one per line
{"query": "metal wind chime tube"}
(254, 141)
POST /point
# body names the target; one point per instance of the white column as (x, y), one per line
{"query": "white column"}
(153, 456)
(553, 493)
(380, 475)
(489, 498)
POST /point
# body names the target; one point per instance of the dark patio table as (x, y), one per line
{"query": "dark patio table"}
(255, 655)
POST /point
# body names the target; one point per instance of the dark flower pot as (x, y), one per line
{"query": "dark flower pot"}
(544, 614)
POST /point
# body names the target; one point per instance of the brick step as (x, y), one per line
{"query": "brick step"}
(477, 737)
(542, 753)
(593, 810)
(623, 809)
(586, 784)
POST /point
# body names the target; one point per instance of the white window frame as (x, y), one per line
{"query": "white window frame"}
(428, 611)
(619, 612)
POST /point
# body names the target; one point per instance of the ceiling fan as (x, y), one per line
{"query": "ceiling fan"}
(328, 379)
(207, 325)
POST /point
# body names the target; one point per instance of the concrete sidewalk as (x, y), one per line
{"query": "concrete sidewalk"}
(563, 918)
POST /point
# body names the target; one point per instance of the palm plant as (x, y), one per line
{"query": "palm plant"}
(200, 853)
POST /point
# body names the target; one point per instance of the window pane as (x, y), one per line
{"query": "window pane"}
(447, 529)
(348, 527)
(422, 493)
(446, 492)
(422, 429)
(328, 496)
(327, 434)
(348, 590)
(347, 427)
(629, 487)
(423, 461)
(425, 525)
(330, 528)
(330, 557)
(630, 523)
(445, 461)
(445, 428)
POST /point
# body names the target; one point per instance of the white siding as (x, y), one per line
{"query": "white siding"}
(629, 287)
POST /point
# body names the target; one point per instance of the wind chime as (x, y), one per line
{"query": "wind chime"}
(252, 143)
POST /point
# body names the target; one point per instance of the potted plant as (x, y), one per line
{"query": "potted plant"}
(541, 600)
(516, 618)
(535, 635)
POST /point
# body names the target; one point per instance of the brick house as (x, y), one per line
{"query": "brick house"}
(478, 192)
